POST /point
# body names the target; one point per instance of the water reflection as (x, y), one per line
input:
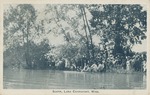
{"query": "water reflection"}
(48, 79)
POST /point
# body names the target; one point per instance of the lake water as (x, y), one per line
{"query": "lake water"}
(50, 79)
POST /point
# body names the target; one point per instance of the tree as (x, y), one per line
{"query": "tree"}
(18, 23)
(125, 25)
(75, 27)
(38, 54)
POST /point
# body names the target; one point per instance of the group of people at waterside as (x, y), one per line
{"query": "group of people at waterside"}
(82, 67)
(135, 63)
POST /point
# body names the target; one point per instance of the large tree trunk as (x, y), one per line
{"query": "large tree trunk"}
(27, 55)
(87, 39)
(90, 35)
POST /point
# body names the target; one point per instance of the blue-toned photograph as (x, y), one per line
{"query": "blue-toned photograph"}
(74, 46)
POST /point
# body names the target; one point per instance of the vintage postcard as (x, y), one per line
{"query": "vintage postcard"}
(74, 47)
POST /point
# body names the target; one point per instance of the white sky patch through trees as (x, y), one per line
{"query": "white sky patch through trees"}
(140, 47)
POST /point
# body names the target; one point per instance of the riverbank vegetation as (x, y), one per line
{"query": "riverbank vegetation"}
(88, 38)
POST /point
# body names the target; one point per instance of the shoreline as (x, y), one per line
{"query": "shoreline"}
(107, 71)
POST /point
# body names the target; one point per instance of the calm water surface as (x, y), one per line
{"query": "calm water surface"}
(49, 79)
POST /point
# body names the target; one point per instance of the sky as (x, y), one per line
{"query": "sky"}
(140, 47)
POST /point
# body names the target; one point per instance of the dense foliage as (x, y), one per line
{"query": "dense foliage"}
(29, 37)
